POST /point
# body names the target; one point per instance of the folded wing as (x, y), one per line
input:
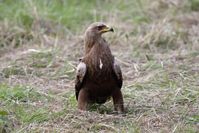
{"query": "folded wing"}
(118, 73)
(80, 76)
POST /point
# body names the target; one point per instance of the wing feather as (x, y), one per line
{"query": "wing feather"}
(118, 73)
(80, 76)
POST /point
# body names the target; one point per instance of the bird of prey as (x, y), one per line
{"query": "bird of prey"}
(98, 76)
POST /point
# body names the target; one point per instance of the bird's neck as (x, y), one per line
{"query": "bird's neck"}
(90, 41)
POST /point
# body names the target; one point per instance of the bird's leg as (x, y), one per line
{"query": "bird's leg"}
(82, 99)
(118, 101)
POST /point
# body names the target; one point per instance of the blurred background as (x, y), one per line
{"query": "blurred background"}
(156, 42)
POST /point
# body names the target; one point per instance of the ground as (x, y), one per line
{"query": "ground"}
(155, 42)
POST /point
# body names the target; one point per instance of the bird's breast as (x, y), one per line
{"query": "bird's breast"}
(100, 68)
(99, 62)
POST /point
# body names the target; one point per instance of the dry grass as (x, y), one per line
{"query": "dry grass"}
(156, 44)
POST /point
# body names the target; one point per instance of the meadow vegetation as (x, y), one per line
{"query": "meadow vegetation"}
(155, 42)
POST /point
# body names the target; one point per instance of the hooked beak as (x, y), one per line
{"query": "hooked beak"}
(107, 29)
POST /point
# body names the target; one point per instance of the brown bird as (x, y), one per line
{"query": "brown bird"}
(98, 77)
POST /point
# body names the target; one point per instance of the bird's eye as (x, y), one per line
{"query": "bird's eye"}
(100, 27)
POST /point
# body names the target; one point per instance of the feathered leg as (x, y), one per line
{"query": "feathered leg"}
(82, 99)
(118, 101)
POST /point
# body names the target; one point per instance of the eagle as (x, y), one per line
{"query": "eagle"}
(98, 76)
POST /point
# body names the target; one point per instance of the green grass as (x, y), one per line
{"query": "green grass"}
(18, 102)
(61, 12)
(73, 14)
(194, 5)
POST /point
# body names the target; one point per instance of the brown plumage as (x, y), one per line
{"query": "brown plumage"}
(98, 77)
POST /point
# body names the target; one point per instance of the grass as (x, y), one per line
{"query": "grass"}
(156, 44)
(18, 106)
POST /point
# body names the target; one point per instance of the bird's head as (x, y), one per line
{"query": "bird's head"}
(98, 28)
